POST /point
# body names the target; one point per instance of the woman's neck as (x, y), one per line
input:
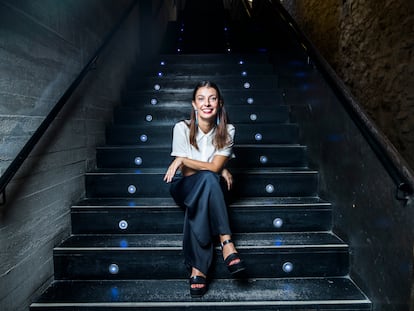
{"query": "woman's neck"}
(205, 126)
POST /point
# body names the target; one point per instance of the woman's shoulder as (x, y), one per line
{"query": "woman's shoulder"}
(183, 125)
(230, 127)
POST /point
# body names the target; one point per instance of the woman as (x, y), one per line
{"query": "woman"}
(202, 146)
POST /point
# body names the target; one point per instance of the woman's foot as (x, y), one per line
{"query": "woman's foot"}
(231, 256)
(198, 283)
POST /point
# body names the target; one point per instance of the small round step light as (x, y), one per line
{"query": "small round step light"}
(270, 188)
(154, 101)
(263, 159)
(123, 224)
(157, 87)
(113, 268)
(143, 138)
(253, 117)
(162, 63)
(241, 62)
(258, 137)
(160, 74)
(246, 85)
(244, 73)
(148, 118)
(278, 223)
(250, 100)
(287, 267)
(132, 189)
(138, 161)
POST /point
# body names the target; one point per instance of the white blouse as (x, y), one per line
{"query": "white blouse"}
(181, 146)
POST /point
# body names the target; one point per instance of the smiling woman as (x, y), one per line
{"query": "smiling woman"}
(201, 147)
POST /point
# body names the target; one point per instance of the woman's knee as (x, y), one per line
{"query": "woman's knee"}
(209, 176)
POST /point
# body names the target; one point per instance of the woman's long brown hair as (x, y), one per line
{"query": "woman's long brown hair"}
(222, 137)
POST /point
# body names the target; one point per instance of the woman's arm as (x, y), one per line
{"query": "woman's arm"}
(189, 165)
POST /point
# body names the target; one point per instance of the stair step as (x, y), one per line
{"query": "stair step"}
(152, 256)
(224, 294)
(213, 58)
(161, 215)
(231, 97)
(171, 114)
(148, 134)
(214, 70)
(187, 83)
(149, 183)
(246, 156)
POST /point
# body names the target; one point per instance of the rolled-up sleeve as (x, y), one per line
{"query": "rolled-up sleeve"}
(228, 149)
(180, 141)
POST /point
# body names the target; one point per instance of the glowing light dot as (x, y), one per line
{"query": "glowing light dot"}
(123, 224)
(162, 63)
(138, 160)
(263, 159)
(178, 50)
(113, 268)
(241, 62)
(270, 188)
(132, 189)
(246, 85)
(258, 136)
(148, 117)
(277, 223)
(244, 73)
(287, 267)
(157, 87)
(250, 100)
(253, 117)
(143, 138)
(160, 74)
(154, 101)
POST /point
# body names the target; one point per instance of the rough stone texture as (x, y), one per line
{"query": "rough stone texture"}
(370, 45)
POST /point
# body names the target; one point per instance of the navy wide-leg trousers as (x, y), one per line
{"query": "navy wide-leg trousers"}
(201, 195)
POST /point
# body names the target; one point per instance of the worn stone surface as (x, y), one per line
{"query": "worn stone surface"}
(370, 45)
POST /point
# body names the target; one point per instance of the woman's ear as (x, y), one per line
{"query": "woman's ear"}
(194, 105)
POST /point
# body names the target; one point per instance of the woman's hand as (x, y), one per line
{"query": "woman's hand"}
(228, 177)
(172, 169)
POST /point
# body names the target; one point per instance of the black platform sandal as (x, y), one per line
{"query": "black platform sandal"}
(236, 267)
(198, 292)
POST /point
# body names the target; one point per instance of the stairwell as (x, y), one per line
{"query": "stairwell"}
(125, 249)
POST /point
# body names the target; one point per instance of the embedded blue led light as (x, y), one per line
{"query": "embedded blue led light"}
(114, 294)
(131, 203)
(287, 267)
(178, 50)
(148, 118)
(154, 101)
(258, 136)
(132, 189)
(253, 117)
(246, 85)
(244, 73)
(162, 63)
(270, 188)
(123, 243)
(113, 268)
(250, 100)
(123, 224)
(143, 138)
(278, 223)
(160, 74)
(278, 242)
(138, 161)
(263, 159)
(241, 62)
(157, 87)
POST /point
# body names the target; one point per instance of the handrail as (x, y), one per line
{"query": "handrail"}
(396, 167)
(37, 135)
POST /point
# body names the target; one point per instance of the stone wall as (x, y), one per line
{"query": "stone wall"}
(370, 45)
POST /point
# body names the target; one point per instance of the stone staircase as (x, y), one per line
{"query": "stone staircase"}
(125, 249)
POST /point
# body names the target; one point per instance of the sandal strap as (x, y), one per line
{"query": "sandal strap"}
(198, 279)
(226, 242)
(230, 258)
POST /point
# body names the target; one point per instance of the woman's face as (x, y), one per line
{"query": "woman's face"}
(206, 103)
